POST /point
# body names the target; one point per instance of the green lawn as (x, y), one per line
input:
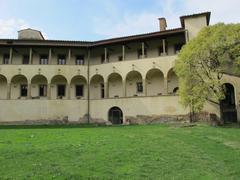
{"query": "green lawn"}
(122, 152)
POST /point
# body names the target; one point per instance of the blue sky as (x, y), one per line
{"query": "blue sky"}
(100, 19)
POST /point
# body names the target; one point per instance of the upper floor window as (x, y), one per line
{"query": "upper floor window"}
(80, 60)
(43, 59)
(103, 58)
(23, 90)
(79, 90)
(62, 59)
(6, 59)
(177, 48)
(140, 53)
(160, 50)
(42, 90)
(25, 59)
(61, 88)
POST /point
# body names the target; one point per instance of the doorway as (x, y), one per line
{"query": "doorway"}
(115, 115)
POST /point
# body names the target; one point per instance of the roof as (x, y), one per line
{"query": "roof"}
(91, 43)
(207, 14)
(33, 30)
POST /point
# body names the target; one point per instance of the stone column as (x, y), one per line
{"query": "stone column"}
(123, 53)
(105, 55)
(69, 56)
(10, 55)
(49, 91)
(68, 91)
(29, 91)
(50, 56)
(144, 87)
(124, 88)
(164, 46)
(30, 56)
(106, 90)
(8, 90)
(143, 50)
(165, 86)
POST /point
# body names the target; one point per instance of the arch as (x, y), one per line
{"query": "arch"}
(3, 87)
(155, 82)
(115, 85)
(39, 86)
(78, 86)
(172, 80)
(19, 86)
(133, 80)
(59, 87)
(97, 87)
(228, 104)
(115, 115)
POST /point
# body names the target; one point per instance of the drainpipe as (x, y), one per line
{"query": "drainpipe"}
(88, 97)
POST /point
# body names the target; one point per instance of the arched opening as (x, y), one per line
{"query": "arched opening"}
(228, 105)
(3, 87)
(134, 84)
(97, 87)
(115, 115)
(172, 80)
(59, 87)
(39, 87)
(115, 86)
(154, 82)
(175, 90)
(19, 87)
(78, 87)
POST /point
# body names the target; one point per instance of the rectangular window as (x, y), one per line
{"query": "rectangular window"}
(43, 59)
(79, 90)
(102, 90)
(140, 53)
(177, 48)
(139, 87)
(25, 59)
(80, 60)
(61, 90)
(42, 90)
(23, 90)
(6, 59)
(61, 59)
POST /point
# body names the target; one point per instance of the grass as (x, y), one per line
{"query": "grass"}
(121, 152)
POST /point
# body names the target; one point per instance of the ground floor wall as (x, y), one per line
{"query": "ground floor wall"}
(42, 110)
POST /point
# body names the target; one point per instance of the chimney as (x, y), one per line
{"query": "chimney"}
(162, 23)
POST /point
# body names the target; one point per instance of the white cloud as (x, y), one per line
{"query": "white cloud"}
(9, 27)
(132, 23)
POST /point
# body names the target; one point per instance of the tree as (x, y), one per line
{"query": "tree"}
(203, 60)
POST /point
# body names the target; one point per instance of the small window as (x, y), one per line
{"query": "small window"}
(79, 90)
(80, 60)
(140, 54)
(6, 59)
(42, 90)
(139, 87)
(177, 48)
(120, 58)
(43, 59)
(25, 59)
(61, 90)
(102, 90)
(61, 60)
(23, 90)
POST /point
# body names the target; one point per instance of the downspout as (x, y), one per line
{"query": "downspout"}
(88, 98)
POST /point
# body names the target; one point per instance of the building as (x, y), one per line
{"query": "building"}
(113, 80)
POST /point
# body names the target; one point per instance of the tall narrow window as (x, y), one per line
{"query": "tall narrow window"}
(79, 90)
(139, 87)
(102, 90)
(23, 90)
(61, 90)
(25, 59)
(42, 90)
(6, 59)
(80, 60)
(62, 59)
(43, 59)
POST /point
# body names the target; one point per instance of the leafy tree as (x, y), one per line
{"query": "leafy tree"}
(203, 60)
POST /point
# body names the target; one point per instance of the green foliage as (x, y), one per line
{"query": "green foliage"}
(202, 62)
(130, 152)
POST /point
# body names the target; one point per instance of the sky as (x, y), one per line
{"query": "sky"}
(91, 20)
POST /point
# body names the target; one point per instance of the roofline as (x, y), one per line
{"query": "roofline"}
(207, 14)
(33, 30)
(91, 43)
